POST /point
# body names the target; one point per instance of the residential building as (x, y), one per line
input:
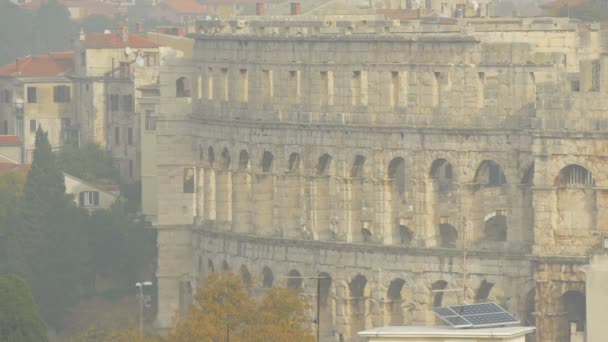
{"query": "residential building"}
(178, 11)
(36, 91)
(91, 196)
(11, 149)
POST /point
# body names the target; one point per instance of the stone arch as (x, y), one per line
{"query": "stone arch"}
(528, 176)
(210, 155)
(483, 291)
(396, 174)
(437, 292)
(573, 307)
(356, 170)
(576, 198)
(442, 170)
(225, 266)
(294, 280)
(395, 300)
(574, 175)
(530, 319)
(209, 187)
(527, 208)
(201, 153)
(245, 275)
(495, 228)
(324, 227)
(183, 87)
(489, 174)
(293, 198)
(448, 236)
(244, 160)
(406, 234)
(326, 307)
(223, 194)
(200, 264)
(357, 303)
(263, 196)
(267, 277)
(210, 267)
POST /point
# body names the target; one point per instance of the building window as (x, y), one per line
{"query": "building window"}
(150, 121)
(117, 135)
(188, 185)
(182, 87)
(33, 126)
(151, 59)
(31, 95)
(127, 103)
(88, 199)
(130, 135)
(5, 127)
(6, 96)
(61, 94)
(130, 168)
(114, 102)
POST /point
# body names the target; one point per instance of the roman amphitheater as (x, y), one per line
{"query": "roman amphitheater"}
(374, 153)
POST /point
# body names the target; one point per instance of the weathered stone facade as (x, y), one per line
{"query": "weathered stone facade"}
(370, 152)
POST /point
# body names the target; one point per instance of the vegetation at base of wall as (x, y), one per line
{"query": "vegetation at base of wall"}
(19, 318)
(225, 306)
(58, 247)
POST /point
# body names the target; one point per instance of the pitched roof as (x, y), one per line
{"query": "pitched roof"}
(114, 41)
(9, 140)
(49, 65)
(186, 6)
(11, 167)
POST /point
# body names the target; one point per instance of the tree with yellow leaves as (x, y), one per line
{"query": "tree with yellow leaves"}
(224, 310)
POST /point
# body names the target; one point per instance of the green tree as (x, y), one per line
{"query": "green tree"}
(90, 163)
(19, 318)
(53, 28)
(52, 236)
(97, 23)
(15, 32)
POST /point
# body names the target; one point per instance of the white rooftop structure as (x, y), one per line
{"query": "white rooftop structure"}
(445, 333)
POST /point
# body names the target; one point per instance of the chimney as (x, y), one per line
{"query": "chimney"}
(260, 8)
(139, 27)
(125, 33)
(17, 66)
(296, 9)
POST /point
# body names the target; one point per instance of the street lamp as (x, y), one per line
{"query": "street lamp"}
(141, 305)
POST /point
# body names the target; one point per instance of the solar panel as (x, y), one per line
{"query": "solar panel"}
(475, 315)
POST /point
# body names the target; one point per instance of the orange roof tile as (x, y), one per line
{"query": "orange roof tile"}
(49, 65)
(114, 41)
(186, 6)
(6, 140)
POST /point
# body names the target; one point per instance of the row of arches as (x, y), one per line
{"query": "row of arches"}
(357, 300)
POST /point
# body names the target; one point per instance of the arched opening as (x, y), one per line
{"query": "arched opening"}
(357, 303)
(245, 275)
(294, 280)
(576, 198)
(293, 197)
(326, 316)
(437, 289)
(575, 176)
(496, 228)
(483, 292)
(448, 236)
(182, 87)
(241, 218)
(406, 235)
(267, 277)
(225, 266)
(323, 226)
(201, 154)
(224, 190)
(264, 197)
(489, 174)
(530, 319)
(210, 155)
(395, 199)
(395, 301)
(200, 264)
(442, 174)
(527, 209)
(210, 267)
(573, 307)
(356, 187)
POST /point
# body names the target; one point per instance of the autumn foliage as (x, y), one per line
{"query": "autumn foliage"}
(225, 310)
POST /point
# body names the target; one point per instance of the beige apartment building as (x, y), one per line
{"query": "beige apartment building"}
(36, 91)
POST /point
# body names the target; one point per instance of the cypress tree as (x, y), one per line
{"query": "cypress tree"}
(19, 318)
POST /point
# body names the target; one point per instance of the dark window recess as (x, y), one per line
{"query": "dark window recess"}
(130, 168)
(117, 135)
(127, 103)
(114, 102)
(130, 135)
(188, 180)
(33, 125)
(88, 199)
(61, 94)
(31, 95)
(150, 121)
(6, 96)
